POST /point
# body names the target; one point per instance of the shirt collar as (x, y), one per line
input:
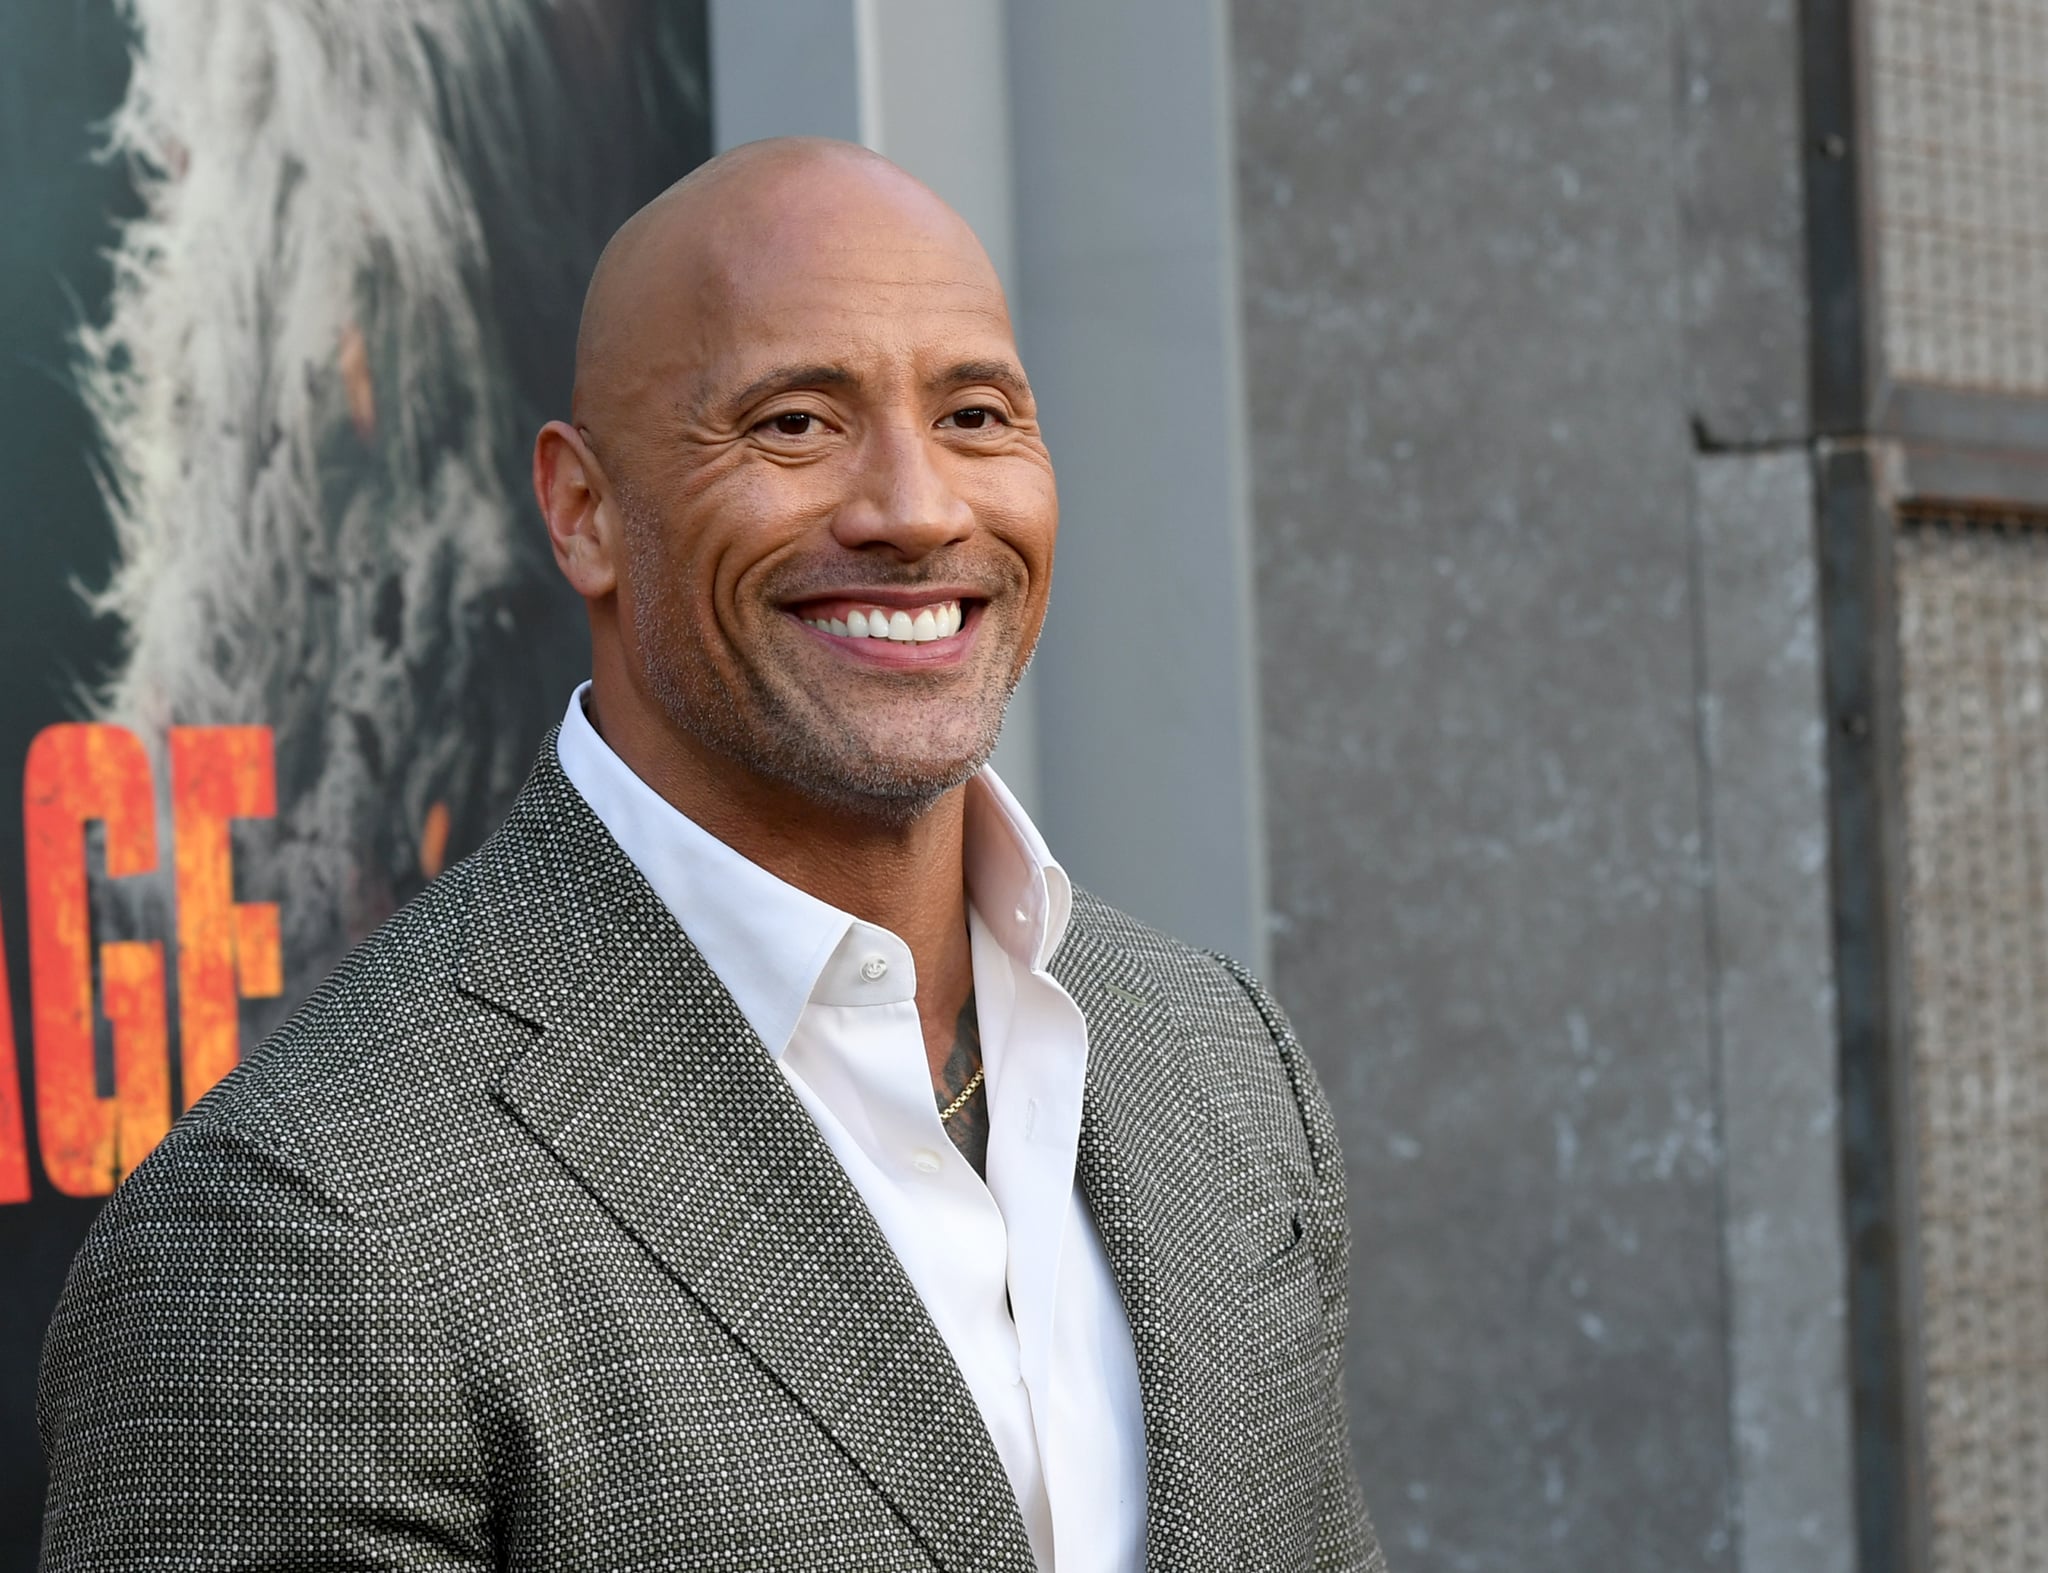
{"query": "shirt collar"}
(1023, 896)
(776, 947)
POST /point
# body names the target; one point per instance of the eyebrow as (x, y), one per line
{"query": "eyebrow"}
(782, 379)
(997, 373)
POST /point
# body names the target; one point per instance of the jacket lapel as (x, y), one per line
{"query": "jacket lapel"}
(648, 1085)
(1144, 1167)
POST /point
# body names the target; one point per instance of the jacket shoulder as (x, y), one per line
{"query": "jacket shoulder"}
(1096, 923)
(386, 1044)
(1198, 981)
(1231, 1019)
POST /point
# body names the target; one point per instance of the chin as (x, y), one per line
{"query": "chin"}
(351, 561)
(916, 761)
(883, 786)
(889, 775)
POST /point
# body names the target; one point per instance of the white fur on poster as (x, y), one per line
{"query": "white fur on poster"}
(314, 440)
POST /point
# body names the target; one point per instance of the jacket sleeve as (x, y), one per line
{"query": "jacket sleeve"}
(1345, 1542)
(240, 1375)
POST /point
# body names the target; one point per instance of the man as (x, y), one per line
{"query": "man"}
(757, 1155)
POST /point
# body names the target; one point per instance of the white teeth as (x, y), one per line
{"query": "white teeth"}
(927, 624)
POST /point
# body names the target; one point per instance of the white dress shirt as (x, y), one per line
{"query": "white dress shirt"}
(834, 1001)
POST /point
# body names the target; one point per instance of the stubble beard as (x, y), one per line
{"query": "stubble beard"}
(770, 732)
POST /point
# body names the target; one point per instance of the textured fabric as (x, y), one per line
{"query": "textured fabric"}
(512, 1249)
(1011, 1271)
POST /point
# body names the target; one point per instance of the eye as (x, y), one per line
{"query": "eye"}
(793, 423)
(976, 417)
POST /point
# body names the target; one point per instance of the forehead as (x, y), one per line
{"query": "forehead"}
(863, 283)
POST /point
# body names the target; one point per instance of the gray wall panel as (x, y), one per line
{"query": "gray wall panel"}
(790, 69)
(1775, 1012)
(1127, 314)
(1742, 207)
(1465, 330)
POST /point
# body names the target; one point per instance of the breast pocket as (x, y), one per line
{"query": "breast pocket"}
(1281, 1288)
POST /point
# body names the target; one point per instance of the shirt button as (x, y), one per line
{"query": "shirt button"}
(874, 969)
(925, 1161)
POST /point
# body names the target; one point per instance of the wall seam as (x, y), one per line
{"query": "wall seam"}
(1251, 681)
(1706, 871)
(1710, 926)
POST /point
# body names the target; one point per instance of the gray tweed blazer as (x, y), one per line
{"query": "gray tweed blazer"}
(512, 1249)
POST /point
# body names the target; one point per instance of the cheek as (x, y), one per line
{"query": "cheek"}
(1022, 510)
(749, 526)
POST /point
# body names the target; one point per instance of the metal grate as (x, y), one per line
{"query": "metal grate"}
(1959, 109)
(1973, 634)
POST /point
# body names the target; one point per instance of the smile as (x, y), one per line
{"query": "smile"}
(904, 625)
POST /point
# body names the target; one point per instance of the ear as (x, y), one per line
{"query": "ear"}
(570, 487)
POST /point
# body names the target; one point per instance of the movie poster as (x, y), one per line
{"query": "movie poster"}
(289, 285)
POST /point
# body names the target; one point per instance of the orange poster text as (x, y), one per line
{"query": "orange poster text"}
(92, 1127)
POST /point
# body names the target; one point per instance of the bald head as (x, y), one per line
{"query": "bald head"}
(784, 204)
(797, 386)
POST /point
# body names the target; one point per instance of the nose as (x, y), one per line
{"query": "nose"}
(903, 499)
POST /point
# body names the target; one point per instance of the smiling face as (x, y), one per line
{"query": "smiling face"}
(835, 513)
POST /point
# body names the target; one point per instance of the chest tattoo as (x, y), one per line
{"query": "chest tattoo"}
(962, 1092)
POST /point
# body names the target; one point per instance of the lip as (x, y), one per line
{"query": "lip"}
(892, 654)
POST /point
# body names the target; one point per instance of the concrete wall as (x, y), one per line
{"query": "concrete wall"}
(1742, 217)
(1773, 1011)
(1525, 339)
(1742, 221)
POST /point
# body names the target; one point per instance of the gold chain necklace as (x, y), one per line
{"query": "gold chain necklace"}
(966, 1092)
